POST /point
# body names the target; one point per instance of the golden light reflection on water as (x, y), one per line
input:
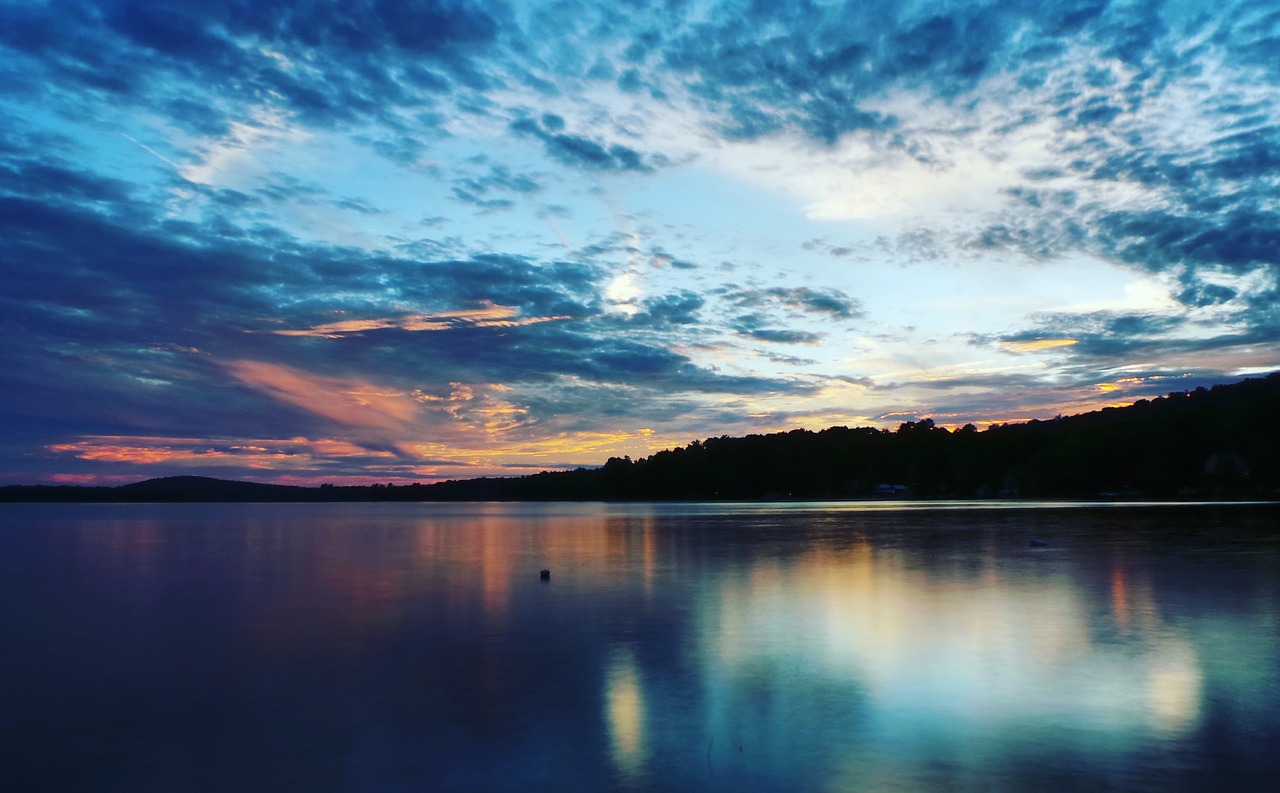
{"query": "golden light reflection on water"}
(976, 644)
(1175, 689)
(1119, 597)
(624, 712)
(495, 566)
(749, 651)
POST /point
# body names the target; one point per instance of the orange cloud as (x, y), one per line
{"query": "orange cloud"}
(1037, 344)
(92, 479)
(400, 434)
(587, 448)
(253, 453)
(105, 451)
(348, 401)
(469, 451)
(472, 419)
(490, 315)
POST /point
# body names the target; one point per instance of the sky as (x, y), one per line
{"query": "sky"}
(359, 241)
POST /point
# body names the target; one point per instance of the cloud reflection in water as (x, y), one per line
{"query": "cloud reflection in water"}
(677, 647)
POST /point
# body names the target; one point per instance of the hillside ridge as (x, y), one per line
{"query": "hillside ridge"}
(1208, 443)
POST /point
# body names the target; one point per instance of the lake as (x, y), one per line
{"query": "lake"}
(675, 647)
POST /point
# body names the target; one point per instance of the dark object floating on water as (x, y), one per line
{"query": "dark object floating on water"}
(1039, 543)
(544, 575)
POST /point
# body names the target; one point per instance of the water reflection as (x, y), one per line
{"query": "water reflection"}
(624, 712)
(694, 647)
(1007, 643)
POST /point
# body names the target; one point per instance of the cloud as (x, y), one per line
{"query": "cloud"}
(481, 203)
(268, 454)
(1036, 345)
(830, 302)
(347, 344)
(57, 178)
(776, 306)
(187, 185)
(500, 177)
(783, 336)
(487, 316)
(680, 308)
(347, 401)
(315, 58)
(1096, 345)
(579, 151)
(753, 325)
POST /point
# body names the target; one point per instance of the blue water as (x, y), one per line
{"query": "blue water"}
(789, 647)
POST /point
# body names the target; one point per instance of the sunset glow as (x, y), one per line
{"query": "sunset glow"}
(530, 236)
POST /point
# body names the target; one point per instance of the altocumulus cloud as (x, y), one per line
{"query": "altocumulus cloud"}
(420, 239)
(138, 322)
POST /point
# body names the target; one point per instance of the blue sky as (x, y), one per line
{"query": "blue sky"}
(398, 241)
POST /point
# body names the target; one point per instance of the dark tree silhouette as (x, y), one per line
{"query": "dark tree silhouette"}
(1208, 443)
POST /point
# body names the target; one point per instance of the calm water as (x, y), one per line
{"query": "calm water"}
(798, 647)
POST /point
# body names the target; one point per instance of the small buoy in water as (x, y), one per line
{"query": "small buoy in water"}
(544, 575)
(1039, 543)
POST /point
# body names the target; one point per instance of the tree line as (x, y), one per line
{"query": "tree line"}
(1206, 443)
(1220, 442)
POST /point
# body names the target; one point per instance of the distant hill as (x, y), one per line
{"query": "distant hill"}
(203, 488)
(1222, 442)
(165, 489)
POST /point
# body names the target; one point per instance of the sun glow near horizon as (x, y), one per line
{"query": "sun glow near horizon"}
(432, 272)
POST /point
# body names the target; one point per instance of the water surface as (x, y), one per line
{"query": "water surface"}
(798, 647)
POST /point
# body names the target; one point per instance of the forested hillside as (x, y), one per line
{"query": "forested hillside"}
(1216, 442)
(1222, 442)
